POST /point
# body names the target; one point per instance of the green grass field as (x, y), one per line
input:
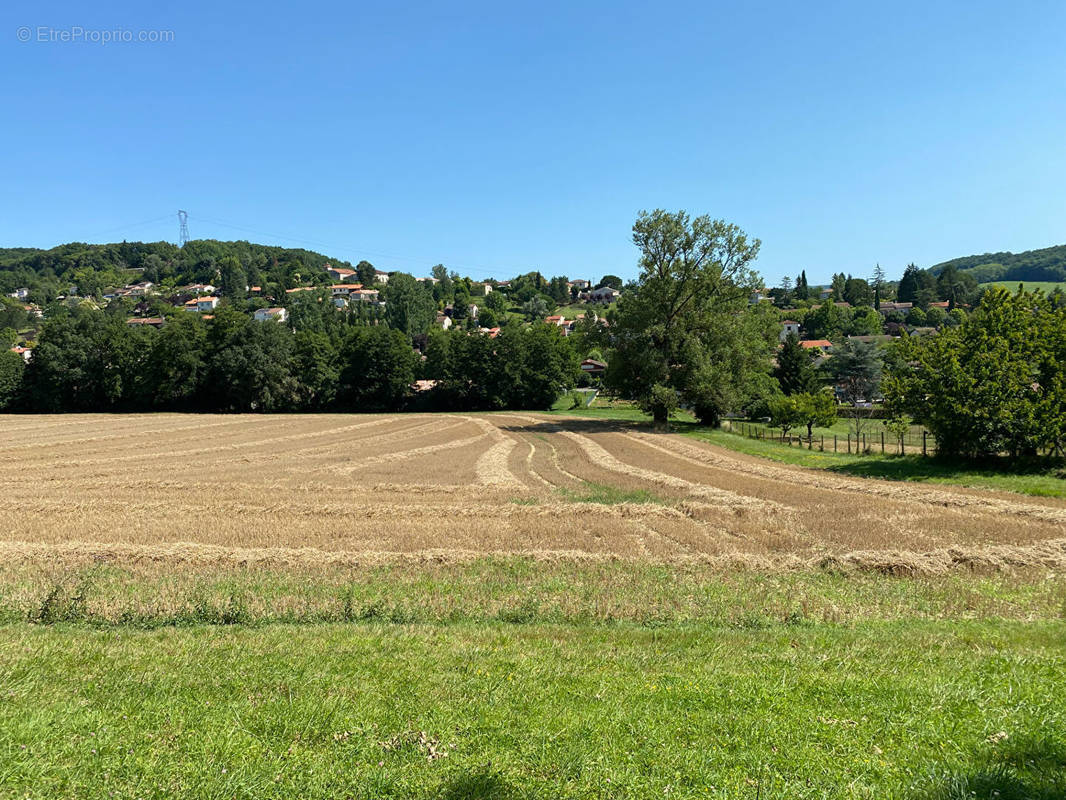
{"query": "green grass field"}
(878, 710)
(1030, 286)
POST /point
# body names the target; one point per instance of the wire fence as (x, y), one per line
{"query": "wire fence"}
(917, 440)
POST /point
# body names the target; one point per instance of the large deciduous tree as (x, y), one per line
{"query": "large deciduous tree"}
(409, 304)
(686, 333)
(994, 384)
(11, 368)
(377, 369)
(856, 369)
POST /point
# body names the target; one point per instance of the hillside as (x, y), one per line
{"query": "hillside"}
(1047, 264)
(95, 267)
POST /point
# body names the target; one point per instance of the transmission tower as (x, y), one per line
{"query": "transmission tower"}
(183, 232)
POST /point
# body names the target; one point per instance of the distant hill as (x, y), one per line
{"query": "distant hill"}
(94, 267)
(1048, 264)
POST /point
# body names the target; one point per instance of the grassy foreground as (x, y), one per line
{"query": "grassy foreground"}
(512, 590)
(513, 678)
(917, 709)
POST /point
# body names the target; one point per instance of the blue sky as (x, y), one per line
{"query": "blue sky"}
(501, 137)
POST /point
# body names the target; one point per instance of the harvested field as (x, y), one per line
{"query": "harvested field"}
(338, 489)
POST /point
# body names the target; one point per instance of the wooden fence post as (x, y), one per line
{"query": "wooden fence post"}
(822, 448)
(834, 442)
(924, 450)
(882, 442)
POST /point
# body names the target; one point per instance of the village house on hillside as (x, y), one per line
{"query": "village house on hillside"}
(593, 366)
(605, 294)
(342, 274)
(154, 322)
(202, 304)
(197, 288)
(264, 314)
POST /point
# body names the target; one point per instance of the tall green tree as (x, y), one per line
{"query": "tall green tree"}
(687, 333)
(539, 364)
(85, 361)
(251, 369)
(856, 369)
(909, 284)
(377, 368)
(444, 288)
(795, 368)
(828, 321)
(840, 281)
(857, 292)
(233, 282)
(177, 364)
(11, 369)
(535, 308)
(365, 273)
(409, 304)
(315, 365)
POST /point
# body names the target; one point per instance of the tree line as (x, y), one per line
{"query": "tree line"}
(87, 360)
(683, 335)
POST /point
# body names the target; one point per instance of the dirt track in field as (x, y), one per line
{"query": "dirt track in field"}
(359, 488)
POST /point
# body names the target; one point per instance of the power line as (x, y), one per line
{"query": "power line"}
(337, 249)
(102, 234)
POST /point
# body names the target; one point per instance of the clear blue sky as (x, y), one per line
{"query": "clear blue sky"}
(499, 137)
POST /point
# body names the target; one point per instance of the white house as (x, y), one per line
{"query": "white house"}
(789, 326)
(605, 294)
(139, 289)
(25, 352)
(21, 293)
(263, 314)
(202, 304)
(197, 288)
(381, 277)
(342, 274)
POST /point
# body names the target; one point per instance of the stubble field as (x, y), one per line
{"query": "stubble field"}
(510, 606)
(362, 488)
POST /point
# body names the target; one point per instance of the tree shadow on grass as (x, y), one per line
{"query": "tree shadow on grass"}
(916, 468)
(483, 784)
(576, 426)
(1028, 768)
